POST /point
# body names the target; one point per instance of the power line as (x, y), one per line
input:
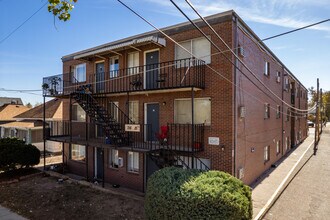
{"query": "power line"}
(20, 90)
(298, 29)
(11, 33)
(236, 56)
(215, 71)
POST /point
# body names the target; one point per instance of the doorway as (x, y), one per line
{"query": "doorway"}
(152, 72)
(99, 77)
(152, 119)
(99, 162)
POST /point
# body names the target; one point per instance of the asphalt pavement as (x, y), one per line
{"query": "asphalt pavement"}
(308, 194)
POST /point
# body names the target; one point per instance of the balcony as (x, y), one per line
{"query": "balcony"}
(177, 74)
(179, 137)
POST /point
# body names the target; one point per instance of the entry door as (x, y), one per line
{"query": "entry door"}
(99, 77)
(99, 163)
(153, 121)
(152, 64)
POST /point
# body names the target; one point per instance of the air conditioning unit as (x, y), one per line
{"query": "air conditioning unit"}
(120, 162)
(242, 111)
(278, 79)
(241, 51)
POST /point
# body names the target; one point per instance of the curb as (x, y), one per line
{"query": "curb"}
(287, 180)
(16, 180)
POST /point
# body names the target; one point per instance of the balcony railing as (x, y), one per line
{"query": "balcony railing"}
(179, 136)
(175, 74)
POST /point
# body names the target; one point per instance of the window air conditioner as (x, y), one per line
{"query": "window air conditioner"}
(241, 51)
(120, 162)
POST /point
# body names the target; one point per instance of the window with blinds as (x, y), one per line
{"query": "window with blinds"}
(183, 113)
(200, 47)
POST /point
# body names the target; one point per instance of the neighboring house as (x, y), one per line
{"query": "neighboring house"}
(9, 111)
(10, 100)
(133, 106)
(29, 127)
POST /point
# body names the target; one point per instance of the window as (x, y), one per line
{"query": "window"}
(278, 111)
(78, 113)
(133, 162)
(114, 110)
(79, 73)
(114, 66)
(278, 147)
(267, 111)
(200, 47)
(278, 77)
(113, 158)
(286, 143)
(78, 152)
(267, 68)
(266, 153)
(133, 113)
(202, 111)
(288, 114)
(286, 84)
(132, 63)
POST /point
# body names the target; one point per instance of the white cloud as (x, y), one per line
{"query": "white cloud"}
(282, 13)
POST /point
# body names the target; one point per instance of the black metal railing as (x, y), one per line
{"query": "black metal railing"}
(182, 73)
(179, 136)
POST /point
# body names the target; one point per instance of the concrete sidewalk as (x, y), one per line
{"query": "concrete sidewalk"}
(274, 181)
(6, 214)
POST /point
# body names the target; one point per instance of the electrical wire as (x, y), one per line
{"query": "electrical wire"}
(234, 54)
(298, 29)
(215, 71)
(11, 33)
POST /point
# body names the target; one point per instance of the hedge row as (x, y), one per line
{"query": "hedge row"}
(15, 153)
(174, 193)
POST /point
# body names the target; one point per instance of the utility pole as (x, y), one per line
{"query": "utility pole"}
(316, 136)
(321, 110)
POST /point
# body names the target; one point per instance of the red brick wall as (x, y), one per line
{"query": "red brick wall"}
(252, 132)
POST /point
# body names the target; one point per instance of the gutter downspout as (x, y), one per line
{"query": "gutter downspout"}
(235, 98)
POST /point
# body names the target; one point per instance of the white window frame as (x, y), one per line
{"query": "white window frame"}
(81, 152)
(286, 84)
(266, 110)
(130, 66)
(278, 76)
(267, 68)
(113, 158)
(133, 112)
(78, 117)
(77, 74)
(113, 73)
(266, 153)
(207, 59)
(278, 143)
(208, 123)
(133, 160)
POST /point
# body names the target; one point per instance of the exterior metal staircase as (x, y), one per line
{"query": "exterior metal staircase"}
(112, 129)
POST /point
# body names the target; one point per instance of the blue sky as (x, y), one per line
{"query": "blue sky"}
(34, 51)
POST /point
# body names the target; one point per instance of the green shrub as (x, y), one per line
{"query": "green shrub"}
(174, 193)
(15, 153)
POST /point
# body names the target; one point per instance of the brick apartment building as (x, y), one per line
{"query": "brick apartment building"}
(141, 103)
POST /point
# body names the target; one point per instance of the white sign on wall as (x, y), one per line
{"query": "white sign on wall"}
(132, 127)
(214, 141)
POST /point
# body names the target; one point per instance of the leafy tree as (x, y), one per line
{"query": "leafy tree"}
(29, 105)
(61, 8)
(325, 100)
